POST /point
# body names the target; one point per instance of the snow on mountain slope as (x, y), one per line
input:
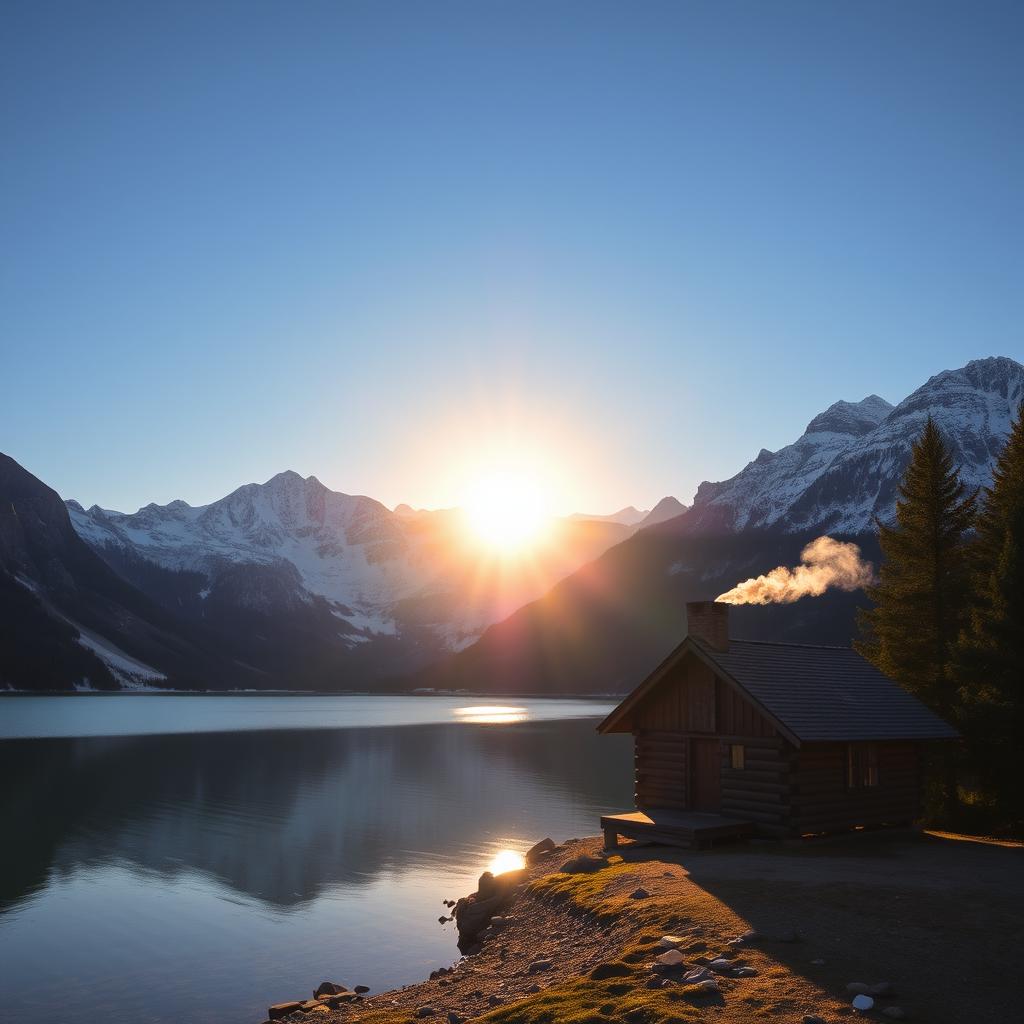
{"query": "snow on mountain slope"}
(762, 492)
(845, 468)
(382, 573)
(344, 547)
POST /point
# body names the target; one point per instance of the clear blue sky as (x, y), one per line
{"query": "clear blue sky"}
(370, 241)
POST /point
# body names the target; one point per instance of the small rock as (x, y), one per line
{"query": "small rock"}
(539, 965)
(671, 941)
(720, 964)
(280, 1010)
(858, 988)
(750, 936)
(310, 1004)
(494, 1000)
(673, 958)
(582, 865)
(818, 962)
(540, 850)
(443, 920)
(881, 988)
(895, 1013)
(455, 1018)
(534, 989)
(426, 1011)
(708, 986)
(655, 982)
(639, 894)
(744, 972)
(329, 988)
(863, 1003)
(697, 975)
(812, 1018)
(361, 989)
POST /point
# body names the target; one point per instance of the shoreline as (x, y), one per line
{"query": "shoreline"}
(910, 917)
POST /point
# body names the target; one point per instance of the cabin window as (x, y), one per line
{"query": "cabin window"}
(861, 765)
(738, 755)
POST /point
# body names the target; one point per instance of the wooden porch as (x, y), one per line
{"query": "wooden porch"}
(670, 827)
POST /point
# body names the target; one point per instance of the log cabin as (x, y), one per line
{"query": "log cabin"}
(740, 737)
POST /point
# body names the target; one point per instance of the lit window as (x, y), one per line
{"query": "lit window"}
(861, 765)
(738, 755)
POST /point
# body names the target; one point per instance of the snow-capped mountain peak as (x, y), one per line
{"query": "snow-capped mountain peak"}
(843, 471)
(853, 418)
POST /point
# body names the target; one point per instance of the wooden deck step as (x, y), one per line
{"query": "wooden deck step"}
(689, 829)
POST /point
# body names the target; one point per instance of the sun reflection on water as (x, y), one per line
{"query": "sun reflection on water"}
(506, 860)
(491, 714)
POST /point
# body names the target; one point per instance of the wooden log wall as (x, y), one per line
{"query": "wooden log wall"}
(823, 803)
(661, 764)
(760, 791)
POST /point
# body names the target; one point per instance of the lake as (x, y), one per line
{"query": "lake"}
(196, 858)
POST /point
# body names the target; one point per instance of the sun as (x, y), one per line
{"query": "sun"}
(506, 510)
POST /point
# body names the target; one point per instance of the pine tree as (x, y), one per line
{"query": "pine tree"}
(921, 598)
(992, 669)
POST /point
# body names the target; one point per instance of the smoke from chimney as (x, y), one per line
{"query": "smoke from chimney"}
(825, 562)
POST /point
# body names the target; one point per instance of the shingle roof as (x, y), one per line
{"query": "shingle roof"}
(825, 693)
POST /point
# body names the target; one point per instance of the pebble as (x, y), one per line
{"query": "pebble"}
(539, 965)
(655, 982)
(639, 894)
(881, 988)
(744, 972)
(863, 1003)
(720, 964)
(750, 936)
(671, 941)
(708, 986)
(698, 974)
(534, 988)
(455, 1018)
(819, 962)
(812, 1018)
(426, 1011)
(361, 989)
(673, 958)
(895, 1013)
(858, 988)
(494, 1000)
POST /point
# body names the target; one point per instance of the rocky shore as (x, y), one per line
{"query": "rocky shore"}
(658, 936)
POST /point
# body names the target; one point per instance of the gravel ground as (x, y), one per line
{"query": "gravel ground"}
(937, 918)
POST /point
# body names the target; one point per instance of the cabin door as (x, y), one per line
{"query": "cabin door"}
(705, 775)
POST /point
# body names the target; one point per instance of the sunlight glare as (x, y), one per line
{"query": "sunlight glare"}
(506, 860)
(506, 510)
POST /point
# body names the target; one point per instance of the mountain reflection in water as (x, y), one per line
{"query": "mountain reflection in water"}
(191, 853)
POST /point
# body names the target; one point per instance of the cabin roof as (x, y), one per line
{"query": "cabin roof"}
(814, 694)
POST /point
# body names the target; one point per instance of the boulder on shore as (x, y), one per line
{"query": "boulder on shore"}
(540, 850)
(494, 893)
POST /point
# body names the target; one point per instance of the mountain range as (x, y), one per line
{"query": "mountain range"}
(291, 585)
(603, 628)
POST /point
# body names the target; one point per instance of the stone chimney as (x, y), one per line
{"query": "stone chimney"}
(709, 620)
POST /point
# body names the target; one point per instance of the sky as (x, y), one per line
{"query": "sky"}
(623, 246)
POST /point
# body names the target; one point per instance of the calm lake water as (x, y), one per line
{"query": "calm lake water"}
(194, 859)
